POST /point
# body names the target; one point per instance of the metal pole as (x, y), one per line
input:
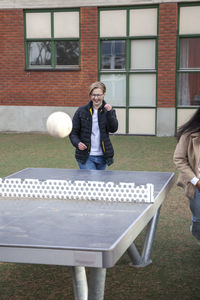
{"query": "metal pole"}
(151, 229)
(97, 283)
(80, 283)
(134, 255)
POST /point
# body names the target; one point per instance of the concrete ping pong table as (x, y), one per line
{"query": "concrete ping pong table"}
(77, 233)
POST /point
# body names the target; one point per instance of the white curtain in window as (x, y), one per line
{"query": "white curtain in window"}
(183, 89)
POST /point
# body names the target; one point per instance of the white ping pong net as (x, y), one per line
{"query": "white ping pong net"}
(76, 190)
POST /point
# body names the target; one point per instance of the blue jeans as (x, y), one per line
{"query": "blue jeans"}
(195, 209)
(93, 163)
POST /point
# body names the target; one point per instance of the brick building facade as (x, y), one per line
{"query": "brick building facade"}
(143, 66)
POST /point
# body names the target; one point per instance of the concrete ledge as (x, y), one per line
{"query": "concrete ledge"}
(33, 118)
(166, 121)
(28, 118)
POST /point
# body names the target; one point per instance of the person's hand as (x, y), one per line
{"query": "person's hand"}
(82, 146)
(108, 107)
(198, 185)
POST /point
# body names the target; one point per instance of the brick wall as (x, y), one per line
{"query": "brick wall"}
(51, 88)
(167, 54)
(69, 88)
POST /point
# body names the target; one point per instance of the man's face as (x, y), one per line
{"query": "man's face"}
(97, 97)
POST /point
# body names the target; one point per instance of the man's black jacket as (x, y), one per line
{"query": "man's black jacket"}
(82, 129)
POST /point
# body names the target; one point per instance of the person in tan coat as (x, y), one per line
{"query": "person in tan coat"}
(187, 160)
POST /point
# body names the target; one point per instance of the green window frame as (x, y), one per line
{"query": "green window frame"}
(127, 72)
(188, 69)
(58, 53)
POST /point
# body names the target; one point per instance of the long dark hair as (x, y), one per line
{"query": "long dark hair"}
(191, 126)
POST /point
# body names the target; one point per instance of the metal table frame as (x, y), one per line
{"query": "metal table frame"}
(92, 288)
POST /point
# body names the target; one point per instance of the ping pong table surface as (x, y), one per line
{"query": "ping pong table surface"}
(82, 233)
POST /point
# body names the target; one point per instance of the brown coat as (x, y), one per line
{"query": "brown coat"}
(186, 159)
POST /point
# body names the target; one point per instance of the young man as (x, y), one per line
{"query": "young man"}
(92, 124)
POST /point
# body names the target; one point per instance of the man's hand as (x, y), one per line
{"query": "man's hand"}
(108, 107)
(82, 146)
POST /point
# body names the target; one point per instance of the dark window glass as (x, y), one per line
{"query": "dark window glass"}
(39, 53)
(113, 54)
(189, 89)
(189, 53)
(67, 53)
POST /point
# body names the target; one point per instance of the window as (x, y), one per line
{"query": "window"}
(116, 88)
(189, 58)
(52, 39)
(113, 55)
(127, 63)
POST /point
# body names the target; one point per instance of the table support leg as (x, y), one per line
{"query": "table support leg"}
(97, 283)
(151, 230)
(144, 260)
(134, 255)
(80, 283)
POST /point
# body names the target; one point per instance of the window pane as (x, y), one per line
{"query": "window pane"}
(67, 52)
(143, 22)
(39, 53)
(143, 54)
(121, 117)
(38, 25)
(113, 55)
(142, 90)
(113, 23)
(142, 121)
(183, 115)
(189, 53)
(189, 89)
(115, 89)
(66, 24)
(189, 20)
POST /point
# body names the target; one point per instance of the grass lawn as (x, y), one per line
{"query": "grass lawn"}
(175, 271)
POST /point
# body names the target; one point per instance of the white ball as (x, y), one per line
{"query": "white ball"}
(59, 124)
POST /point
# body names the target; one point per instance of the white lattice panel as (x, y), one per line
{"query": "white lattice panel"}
(76, 190)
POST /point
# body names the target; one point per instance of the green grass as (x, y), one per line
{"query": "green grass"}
(175, 271)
